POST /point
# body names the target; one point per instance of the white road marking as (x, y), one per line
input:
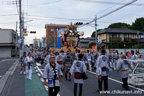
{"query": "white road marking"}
(38, 64)
(46, 88)
(39, 70)
(42, 79)
(39, 74)
(36, 70)
(7, 59)
(120, 82)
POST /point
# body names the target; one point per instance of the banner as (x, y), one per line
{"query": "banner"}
(93, 47)
(58, 39)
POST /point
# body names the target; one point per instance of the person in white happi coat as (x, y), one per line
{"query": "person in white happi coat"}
(53, 73)
(102, 71)
(39, 56)
(115, 60)
(133, 57)
(78, 68)
(110, 56)
(29, 62)
(43, 56)
(60, 60)
(36, 56)
(68, 60)
(88, 57)
(23, 63)
(62, 53)
(124, 66)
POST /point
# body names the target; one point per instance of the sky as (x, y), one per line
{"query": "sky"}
(37, 13)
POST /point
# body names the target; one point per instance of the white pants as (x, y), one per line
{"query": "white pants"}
(115, 64)
(89, 64)
(28, 72)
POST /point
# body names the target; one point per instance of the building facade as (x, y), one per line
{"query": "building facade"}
(126, 35)
(84, 42)
(7, 43)
(51, 33)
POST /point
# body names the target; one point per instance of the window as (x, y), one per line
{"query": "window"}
(110, 35)
(118, 35)
(126, 36)
(52, 35)
(114, 35)
(52, 29)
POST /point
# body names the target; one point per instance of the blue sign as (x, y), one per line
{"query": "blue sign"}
(58, 39)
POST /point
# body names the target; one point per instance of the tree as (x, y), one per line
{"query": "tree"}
(138, 24)
(121, 44)
(115, 44)
(120, 25)
(93, 34)
(91, 44)
(138, 46)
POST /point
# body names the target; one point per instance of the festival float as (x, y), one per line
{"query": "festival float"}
(71, 37)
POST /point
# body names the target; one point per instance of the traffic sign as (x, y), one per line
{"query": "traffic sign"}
(25, 34)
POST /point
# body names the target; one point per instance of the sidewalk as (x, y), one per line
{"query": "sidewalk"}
(19, 85)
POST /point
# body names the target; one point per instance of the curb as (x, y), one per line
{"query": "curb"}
(5, 77)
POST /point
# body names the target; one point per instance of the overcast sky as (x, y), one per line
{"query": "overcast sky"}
(65, 11)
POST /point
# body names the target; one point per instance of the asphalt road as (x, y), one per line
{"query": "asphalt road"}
(90, 86)
(16, 84)
(5, 64)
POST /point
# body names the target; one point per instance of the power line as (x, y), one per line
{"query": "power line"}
(45, 3)
(104, 2)
(9, 15)
(57, 18)
(107, 8)
(110, 12)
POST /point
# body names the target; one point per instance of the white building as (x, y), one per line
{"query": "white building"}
(7, 43)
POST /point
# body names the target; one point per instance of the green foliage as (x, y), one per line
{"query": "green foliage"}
(128, 46)
(93, 34)
(138, 46)
(110, 45)
(115, 44)
(91, 44)
(119, 25)
(121, 44)
(138, 24)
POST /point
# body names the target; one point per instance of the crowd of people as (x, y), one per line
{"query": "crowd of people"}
(76, 63)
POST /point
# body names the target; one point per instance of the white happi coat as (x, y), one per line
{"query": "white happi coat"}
(102, 61)
(124, 64)
(78, 66)
(49, 73)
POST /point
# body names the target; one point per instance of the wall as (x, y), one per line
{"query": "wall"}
(122, 37)
(5, 52)
(6, 36)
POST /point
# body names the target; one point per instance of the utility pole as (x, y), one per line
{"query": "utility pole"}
(16, 40)
(22, 33)
(54, 40)
(96, 32)
(20, 26)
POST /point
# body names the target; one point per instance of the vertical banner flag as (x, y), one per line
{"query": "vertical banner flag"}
(93, 47)
(58, 39)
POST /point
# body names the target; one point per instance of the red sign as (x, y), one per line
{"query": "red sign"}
(93, 47)
(25, 30)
